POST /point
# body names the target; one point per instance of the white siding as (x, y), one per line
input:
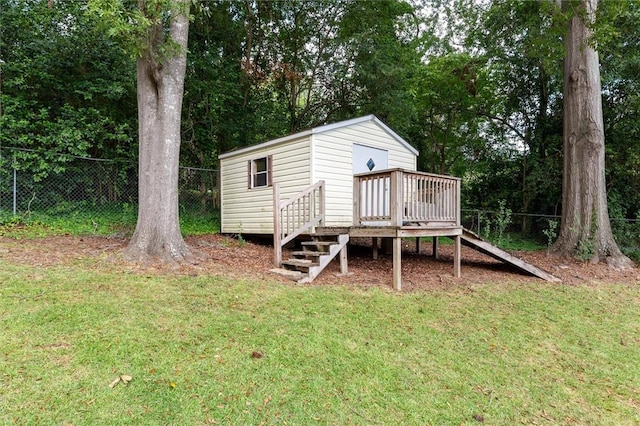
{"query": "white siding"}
(250, 211)
(333, 162)
(325, 153)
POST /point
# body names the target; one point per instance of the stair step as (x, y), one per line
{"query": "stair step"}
(307, 264)
(318, 243)
(304, 263)
(309, 253)
(324, 238)
(288, 273)
(332, 232)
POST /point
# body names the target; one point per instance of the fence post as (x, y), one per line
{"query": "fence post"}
(15, 190)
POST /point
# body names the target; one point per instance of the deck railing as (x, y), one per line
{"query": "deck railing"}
(296, 215)
(398, 197)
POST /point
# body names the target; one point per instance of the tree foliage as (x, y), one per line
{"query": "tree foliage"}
(475, 86)
(66, 90)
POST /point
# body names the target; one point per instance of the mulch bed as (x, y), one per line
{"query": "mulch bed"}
(253, 260)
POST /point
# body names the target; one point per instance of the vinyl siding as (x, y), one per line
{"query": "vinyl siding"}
(333, 163)
(250, 211)
(325, 154)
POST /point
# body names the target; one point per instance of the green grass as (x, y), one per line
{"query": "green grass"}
(106, 221)
(211, 350)
(517, 242)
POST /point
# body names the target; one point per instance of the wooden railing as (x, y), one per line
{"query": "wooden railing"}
(397, 197)
(296, 215)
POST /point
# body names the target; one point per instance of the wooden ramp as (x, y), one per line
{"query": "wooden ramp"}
(472, 240)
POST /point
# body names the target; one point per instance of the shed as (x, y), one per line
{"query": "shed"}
(355, 178)
(332, 153)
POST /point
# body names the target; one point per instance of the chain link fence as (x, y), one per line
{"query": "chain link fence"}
(502, 222)
(503, 227)
(108, 189)
(29, 186)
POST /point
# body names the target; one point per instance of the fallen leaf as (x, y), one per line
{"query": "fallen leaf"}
(115, 382)
(125, 379)
(173, 385)
(256, 354)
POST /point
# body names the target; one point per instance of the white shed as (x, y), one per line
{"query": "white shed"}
(332, 153)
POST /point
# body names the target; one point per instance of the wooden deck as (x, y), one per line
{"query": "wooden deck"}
(397, 204)
(392, 204)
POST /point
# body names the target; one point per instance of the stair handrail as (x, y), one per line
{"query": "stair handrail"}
(310, 206)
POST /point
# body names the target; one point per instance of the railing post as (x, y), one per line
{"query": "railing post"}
(356, 201)
(395, 181)
(322, 203)
(458, 207)
(277, 232)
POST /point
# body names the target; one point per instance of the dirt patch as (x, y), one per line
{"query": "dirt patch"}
(253, 260)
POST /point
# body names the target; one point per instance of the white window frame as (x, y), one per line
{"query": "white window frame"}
(254, 174)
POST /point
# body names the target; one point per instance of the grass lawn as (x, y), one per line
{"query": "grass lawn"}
(209, 350)
(107, 221)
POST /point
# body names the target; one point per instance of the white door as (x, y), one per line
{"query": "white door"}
(374, 195)
(368, 159)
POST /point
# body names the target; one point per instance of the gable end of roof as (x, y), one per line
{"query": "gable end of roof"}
(323, 129)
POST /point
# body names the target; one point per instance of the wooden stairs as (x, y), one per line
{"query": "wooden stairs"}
(306, 264)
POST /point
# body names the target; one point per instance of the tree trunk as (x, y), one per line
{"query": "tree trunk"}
(160, 92)
(585, 231)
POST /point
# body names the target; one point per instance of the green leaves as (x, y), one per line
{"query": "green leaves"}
(139, 27)
(48, 138)
(66, 90)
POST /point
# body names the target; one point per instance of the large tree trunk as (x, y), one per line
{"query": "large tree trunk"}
(585, 231)
(160, 92)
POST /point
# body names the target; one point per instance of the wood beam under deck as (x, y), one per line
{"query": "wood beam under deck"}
(403, 231)
(399, 232)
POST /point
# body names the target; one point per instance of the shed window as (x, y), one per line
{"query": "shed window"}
(259, 172)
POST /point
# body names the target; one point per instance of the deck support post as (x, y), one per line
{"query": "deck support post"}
(397, 263)
(434, 247)
(456, 256)
(344, 267)
(417, 245)
(374, 245)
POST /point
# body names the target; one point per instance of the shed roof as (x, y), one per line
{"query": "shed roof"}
(322, 129)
